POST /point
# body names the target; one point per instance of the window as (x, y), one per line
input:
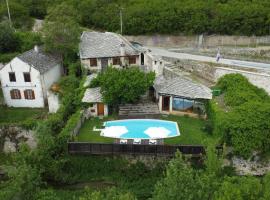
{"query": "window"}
(116, 61)
(182, 104)
(93, 62)
(29, 94)
(12, 77)
(15, 94)
(132, 60)
(27, 77)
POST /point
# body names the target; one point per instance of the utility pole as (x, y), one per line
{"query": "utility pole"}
(121, 21)
(10, 24)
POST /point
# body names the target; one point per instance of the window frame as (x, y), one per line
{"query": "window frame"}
(132, 58)
(24, 76)
(29, 94)
(116, 61)
(15, 94)
(10, 74)
(93, 62)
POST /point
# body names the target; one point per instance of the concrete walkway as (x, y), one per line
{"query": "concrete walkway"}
(239, 63)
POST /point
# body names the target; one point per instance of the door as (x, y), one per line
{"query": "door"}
(142, 59)
(165, 103)
(100, 108)
(104, 63)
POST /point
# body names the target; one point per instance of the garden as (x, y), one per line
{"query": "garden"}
(192, 130)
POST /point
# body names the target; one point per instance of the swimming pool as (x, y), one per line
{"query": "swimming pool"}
(140, 129)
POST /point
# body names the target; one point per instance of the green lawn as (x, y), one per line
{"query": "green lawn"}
(191, 130)
(88, 135)
(14, 115)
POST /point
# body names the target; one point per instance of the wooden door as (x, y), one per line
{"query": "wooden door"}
(100, 108)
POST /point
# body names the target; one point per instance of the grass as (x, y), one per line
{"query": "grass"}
(191, 130)
(15, 115)
(87, 134)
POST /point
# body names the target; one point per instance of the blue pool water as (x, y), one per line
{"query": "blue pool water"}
(140, 129)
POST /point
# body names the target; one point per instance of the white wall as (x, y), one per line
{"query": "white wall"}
(50, 77)
(53, 101)
(19, 67)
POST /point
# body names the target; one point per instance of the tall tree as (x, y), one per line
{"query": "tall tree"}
(61, 31)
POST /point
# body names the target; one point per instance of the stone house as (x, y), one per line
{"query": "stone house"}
(181, 96)
(93, 97)
(99, 50)
(27, 78)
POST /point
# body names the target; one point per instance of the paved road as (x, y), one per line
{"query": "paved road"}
(247, 64)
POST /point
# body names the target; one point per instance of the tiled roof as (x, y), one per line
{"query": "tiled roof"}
(88, 80)
(92, 95)
(39, 60)
(98, 45)
(183, 87)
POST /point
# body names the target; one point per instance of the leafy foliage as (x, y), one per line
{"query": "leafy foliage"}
(123, 86)
(61, 31)
(8, 40)
(244, 126)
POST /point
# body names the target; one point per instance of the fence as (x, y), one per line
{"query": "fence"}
(83, 116)
(133, 149)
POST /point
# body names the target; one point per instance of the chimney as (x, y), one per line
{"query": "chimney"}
(36, 48)
(122, 49)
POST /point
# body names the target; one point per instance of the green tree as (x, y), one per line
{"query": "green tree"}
(239, 188)
(106, 195)
(8, 40)
(123, 86)
(61, 31)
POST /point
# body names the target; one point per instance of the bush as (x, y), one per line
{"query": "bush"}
(245, 126)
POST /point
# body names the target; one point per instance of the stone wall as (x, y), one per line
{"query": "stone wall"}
(199, 41)
(259, 79)
(212, 72)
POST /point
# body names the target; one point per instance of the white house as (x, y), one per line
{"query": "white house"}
(99, 50)
(27, 78)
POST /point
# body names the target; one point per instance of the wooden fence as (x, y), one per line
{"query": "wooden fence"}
(133, 149)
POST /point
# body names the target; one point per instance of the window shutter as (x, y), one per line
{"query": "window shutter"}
(19, 94)
(33, 94)
(12, 94)
(25, 94)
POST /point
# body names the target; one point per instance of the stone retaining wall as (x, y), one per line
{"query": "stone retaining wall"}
(212, 72)
(199, 40)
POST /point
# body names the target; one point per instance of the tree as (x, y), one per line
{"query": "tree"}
(24, 180)
(8, 40)
(107, 195)
(239, 188)
(61, 32)
(213, 163)
(123, 86)
(180, 182)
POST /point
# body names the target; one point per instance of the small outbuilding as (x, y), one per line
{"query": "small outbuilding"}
(180, 95)
(93, 97)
